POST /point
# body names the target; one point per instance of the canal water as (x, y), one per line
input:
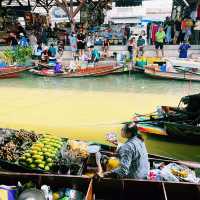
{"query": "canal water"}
(88, 108)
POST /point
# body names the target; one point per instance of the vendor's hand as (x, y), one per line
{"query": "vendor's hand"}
(106, 174)
(112, 138)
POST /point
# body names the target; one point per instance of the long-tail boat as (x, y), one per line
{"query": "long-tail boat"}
(12, 71)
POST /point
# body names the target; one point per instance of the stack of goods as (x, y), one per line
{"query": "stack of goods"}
(42, 154)
(14, 143)
(72, 157)
(173, 173)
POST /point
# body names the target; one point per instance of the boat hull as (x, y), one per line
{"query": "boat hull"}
(181, 75)
(183, 132)
(108, 189)
(87, 72)
(12, 72)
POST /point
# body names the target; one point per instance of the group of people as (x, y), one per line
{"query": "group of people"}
(137, 46)
(83, 45)
(160, 41)
(176, 31)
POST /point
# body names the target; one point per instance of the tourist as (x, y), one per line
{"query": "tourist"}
(183, 50)
(177, 30)
(52, 51)
(81, 42)
(132, 155)
(140, 46)
(44, 36)
(106, 45)
(90, 42)
(45, 55)
(49, 32)
(20, 30)
(189, 25)
(95, 56)
(73, 44)
(33, 41)
(38, 51)
(183, 29)
(131, 47)
(13, 41)
(160, 37)
(23, 42)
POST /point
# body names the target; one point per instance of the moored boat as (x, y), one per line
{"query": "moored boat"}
(175, 69)
(85, 72)
(180, 123)
(12, 72)
(155, 72)
(84, 180)
(183, 131)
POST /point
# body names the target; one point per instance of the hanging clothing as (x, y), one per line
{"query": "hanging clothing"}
(168, 34)
(154, 30)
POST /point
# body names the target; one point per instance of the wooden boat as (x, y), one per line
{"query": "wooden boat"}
(12, 72)
(183, 131)
(154, 72)
(175, 122)
(105, 188)
(86, 72)
(108, 189)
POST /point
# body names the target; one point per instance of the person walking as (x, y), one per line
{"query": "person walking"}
(106, 45)
(131, 47)
(81, 42)
(90, 42)
(13, 41)
(177, 31)
(33, 41)
(140, 46)
(160, 38)
(73, 44)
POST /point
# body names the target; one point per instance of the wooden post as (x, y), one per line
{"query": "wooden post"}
(68, 7)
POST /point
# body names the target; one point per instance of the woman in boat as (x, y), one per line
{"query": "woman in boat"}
(132, 154)
(52, 51)
(58, 68)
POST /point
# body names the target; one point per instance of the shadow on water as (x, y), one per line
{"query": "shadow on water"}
(174, 141)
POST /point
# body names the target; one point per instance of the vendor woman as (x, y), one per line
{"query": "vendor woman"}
(132, 155)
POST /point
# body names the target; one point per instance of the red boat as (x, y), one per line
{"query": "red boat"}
(86, 72)
(12, 72)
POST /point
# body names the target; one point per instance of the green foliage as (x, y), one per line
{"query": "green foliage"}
(19, 55)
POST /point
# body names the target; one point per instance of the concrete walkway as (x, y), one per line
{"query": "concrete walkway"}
(170, 50)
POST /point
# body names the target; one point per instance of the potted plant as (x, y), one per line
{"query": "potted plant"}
(19, 56)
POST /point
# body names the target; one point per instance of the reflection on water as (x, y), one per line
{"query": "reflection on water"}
(138, 83)
(87, 108)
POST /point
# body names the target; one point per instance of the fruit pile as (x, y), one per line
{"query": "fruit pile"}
(13, 143)
(8, 152)
(43, 153)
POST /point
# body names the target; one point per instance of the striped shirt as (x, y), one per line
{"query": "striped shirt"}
(134, 160)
